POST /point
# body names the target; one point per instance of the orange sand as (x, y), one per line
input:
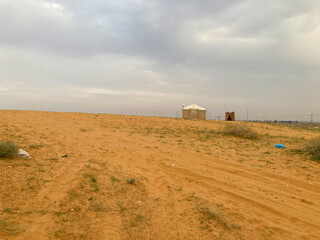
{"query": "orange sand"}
(220, 187)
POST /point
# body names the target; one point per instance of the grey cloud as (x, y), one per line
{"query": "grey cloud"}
(220, 54)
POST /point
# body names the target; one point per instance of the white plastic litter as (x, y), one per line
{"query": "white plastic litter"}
(172, 165)
(23, 153)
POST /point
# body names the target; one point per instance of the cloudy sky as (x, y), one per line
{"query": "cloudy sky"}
(151, 56)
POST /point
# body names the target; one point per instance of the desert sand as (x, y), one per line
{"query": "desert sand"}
(98, 176)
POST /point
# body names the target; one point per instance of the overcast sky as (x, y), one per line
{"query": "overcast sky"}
(146, 57)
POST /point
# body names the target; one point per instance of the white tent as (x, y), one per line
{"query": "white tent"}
(194, 107)
(194, 112)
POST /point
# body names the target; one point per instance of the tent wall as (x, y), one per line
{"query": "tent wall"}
(194, 114)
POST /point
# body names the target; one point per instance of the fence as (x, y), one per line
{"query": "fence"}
(300, 118)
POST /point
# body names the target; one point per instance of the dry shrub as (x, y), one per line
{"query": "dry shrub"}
(314, 148)
(216, 215)
(240, 130)
(8, 149)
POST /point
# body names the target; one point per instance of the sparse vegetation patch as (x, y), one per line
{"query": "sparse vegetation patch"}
(9, 228)
(240, 130)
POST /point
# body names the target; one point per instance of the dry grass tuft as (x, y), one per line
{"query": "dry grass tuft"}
(215, 215)
(240, 130)
(8, 149)
(314, 148)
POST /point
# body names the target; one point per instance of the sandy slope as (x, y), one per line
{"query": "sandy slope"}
(220, 187)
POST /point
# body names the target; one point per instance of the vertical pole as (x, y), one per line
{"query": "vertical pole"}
(311, 120)
(247, 114)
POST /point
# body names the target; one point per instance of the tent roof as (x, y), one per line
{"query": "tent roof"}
(194, 106)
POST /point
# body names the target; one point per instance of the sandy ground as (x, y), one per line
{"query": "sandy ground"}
(190, 180)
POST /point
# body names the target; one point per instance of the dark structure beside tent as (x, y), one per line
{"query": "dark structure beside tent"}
(230, 116)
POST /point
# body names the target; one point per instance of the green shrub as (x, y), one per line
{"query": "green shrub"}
(8, 149)
(240, 130)
(131, 181)
(314, 148)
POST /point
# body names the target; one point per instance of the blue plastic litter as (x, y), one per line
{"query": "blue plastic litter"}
(279, 146)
